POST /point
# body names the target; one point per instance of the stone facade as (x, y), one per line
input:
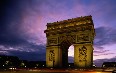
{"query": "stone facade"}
(61, 35)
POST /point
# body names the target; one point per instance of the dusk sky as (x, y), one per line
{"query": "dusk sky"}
(22, 25)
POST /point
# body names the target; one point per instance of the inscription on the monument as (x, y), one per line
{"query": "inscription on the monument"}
(52, 41)
(83, 38)
(51, 55)
(82, 54)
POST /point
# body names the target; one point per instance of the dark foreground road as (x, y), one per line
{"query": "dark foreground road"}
(52, 71)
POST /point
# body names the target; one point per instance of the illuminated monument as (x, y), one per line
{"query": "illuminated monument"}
(78, 32)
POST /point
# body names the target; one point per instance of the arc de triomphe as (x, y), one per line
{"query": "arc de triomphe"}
(78, 32)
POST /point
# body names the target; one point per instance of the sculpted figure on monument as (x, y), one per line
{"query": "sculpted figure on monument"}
(82, 53)
(51, 55)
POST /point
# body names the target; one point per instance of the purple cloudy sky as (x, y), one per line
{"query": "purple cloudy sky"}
(22, 25)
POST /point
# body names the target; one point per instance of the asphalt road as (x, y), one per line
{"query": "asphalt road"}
(52, 71)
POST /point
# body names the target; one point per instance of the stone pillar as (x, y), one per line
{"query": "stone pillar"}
(76, 55)
(83, 57)
(53, 56)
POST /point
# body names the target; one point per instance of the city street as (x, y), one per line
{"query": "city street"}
(57, 71)
(53, 72)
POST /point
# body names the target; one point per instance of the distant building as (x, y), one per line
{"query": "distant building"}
(8, 62)
(109, 64)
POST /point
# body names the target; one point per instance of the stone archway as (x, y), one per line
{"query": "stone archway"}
(64, 52)
(79, 32)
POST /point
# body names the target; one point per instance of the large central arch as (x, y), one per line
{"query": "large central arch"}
(79, 32)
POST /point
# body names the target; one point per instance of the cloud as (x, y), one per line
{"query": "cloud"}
(30, 17)
(105, 36)
(30, 52)
(102, 51)
(27, 47)
(103, 54)
(104, 42)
